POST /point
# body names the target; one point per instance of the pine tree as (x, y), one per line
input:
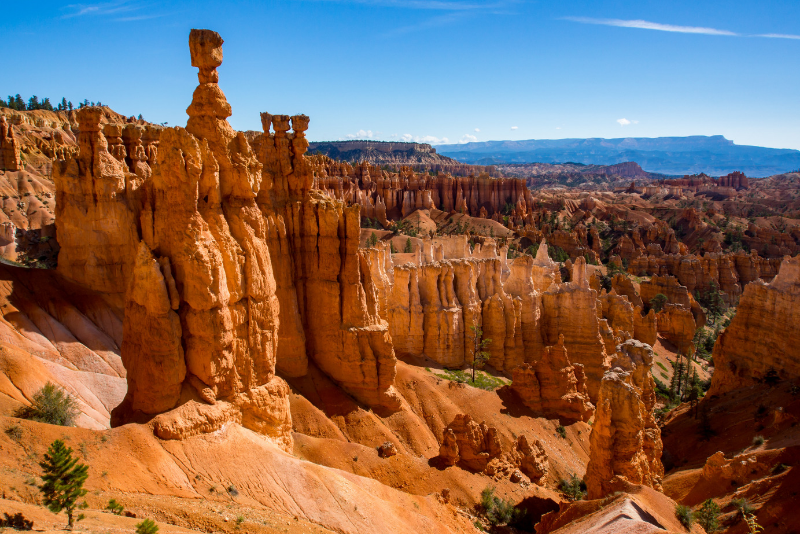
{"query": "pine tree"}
(33, 102)
(708, 516)
(63, 480)
(69, 105)
(409, 248)
(147, 526)
(63, 105)
(479, 354)
(392, 249)
(19, 104)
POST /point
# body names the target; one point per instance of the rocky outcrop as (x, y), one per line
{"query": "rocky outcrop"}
(675, 293)
(570, 309)
(97, 229)
(743, 354)
(477, 447)
(645, 326)
(553, 386)
(9, 148)
(625, 444)
(677, 325)
(469, 444)
(400, 193)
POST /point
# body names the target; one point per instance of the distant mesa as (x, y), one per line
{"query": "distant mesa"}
(713, 155)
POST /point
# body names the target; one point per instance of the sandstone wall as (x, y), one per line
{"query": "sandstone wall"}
(743, 355)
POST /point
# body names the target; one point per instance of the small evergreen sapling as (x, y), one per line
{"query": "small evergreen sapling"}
(63, 480)
(148, 526)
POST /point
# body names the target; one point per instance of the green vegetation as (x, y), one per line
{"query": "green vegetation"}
(409, 247)
(483, 380)
(499, 511)
(561, 431)
(684, 515)
(708, 516)
(712, 301)
(51, 405)
(657, 302)
(758, 441)
(574, 488)
(63, 480)
(479, 353)
(372, 240)
(557, 254)
(147, 526)
(114, 507)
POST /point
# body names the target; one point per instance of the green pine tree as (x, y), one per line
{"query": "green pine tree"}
(708, 516)
(63, 480)
(148, 526)
(409, 248)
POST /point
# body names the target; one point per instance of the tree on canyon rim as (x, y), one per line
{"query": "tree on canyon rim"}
(479, 353)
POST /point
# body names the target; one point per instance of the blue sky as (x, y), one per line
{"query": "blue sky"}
(431, 70)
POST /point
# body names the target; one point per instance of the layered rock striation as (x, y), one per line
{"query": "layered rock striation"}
(625, 444)
(743, 355)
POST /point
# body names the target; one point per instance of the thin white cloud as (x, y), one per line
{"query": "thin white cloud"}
(431, 5)
(467, 138)
(361, 134)
(515, 127)
(430, 139)
(778, 36)
(623, 121)
(477, 129)
(647, 25)
(106, 8)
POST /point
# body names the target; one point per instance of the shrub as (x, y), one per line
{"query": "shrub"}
(499, 511)
(147, 526)
(743, 508)
(561, 431)
(684, 515)
(574, 488)
(51, 405)
(14, 432)
(758, 441)
(708, 516)
(409, 247)
(16, 521)
(63, 480)
(114, 507)
(232, 491)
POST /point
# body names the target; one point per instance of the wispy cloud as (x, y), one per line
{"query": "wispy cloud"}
(477, 129)
(625, 122)
(647, 25)
(778, 36)
(430, 139)
(515, 127)
(467, 138)
(432, 5)
(106, 8)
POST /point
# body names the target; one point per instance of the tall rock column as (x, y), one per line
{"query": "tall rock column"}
(96, 228)
(570, 309)
(625, 442)
(209, 234)
(336, 299)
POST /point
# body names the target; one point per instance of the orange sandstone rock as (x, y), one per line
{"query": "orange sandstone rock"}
(554, 386)
(743, 355)
(625, 443)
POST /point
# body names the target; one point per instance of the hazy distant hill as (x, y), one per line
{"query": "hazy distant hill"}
(713, 155)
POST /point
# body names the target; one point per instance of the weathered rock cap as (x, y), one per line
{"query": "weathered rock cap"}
(205, 47)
